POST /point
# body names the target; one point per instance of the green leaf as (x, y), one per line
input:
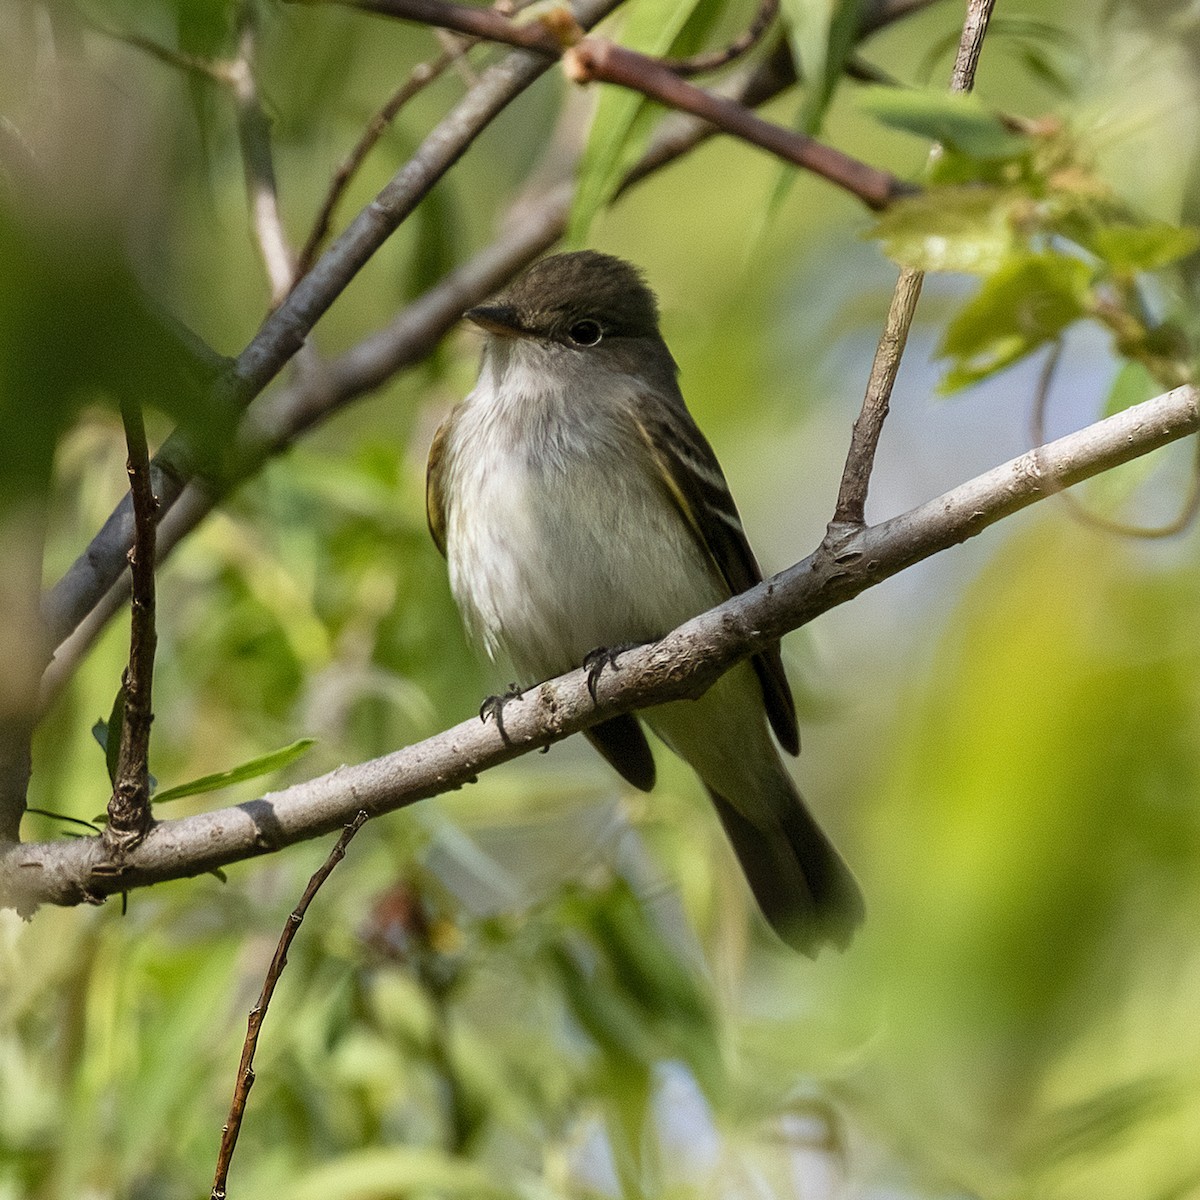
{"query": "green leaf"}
(823, 34)
(256, 767)
(623, 118)
(108, 733)
(1025, 304)
(1083, 1130)
(968, 229)
(1132, 385)
(1145, 246)
(395, 1172)
(960, 121)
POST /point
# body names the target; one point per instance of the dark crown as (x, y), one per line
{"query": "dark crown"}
(585, 284)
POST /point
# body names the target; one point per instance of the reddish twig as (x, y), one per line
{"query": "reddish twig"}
(245, 1075)
(850, 510)
(595, 59)
(129, 815)
(713, 60)
(588, 60)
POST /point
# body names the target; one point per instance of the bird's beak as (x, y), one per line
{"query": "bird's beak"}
(500, 319)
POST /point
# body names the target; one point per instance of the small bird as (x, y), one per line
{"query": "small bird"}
(580, 509)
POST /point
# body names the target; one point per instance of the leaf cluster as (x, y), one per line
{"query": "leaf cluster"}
(1018, 204)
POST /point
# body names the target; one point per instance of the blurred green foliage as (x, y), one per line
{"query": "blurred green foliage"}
(545, 986)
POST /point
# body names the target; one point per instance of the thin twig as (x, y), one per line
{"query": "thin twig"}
(258, 1014)
(850, 509)
(1037, 430)
(129, 815)
(713, 60)
(419, 78)
(206, 68)
(970, 46)
(681, 665)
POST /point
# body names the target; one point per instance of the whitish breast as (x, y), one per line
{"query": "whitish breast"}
(560, 544)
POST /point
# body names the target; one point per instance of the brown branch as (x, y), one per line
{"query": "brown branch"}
(548, 35)
(970, 46)
(713, 60)
(258, 1014)
(595, 59)
(591, 60)
(129, 816)
(850, 510)
(683, 664)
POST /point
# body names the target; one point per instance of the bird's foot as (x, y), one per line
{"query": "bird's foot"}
(493, 707)
(603, 656)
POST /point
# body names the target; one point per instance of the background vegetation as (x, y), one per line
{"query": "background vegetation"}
(544, 985)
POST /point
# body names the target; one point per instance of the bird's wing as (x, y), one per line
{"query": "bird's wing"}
(435, 500)
(693, 479)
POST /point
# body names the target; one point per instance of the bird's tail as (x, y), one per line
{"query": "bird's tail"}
(802, 885)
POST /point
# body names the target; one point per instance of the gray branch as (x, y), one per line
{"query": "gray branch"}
(683, 664)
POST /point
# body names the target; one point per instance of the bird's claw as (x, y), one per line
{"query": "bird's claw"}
(493, 706)
(603, 656)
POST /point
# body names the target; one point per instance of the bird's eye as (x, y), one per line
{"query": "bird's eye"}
(585, 333)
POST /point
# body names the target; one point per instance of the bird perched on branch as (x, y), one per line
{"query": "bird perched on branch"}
(581, 510)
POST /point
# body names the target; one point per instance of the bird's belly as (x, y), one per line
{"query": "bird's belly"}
(547, 564)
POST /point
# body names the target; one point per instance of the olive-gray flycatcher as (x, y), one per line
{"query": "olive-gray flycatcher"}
(580, 507)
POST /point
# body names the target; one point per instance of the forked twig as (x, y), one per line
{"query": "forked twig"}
(850, 510)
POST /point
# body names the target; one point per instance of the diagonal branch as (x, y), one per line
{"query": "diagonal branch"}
(682, 664)
(598, 60)
(419, 78)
